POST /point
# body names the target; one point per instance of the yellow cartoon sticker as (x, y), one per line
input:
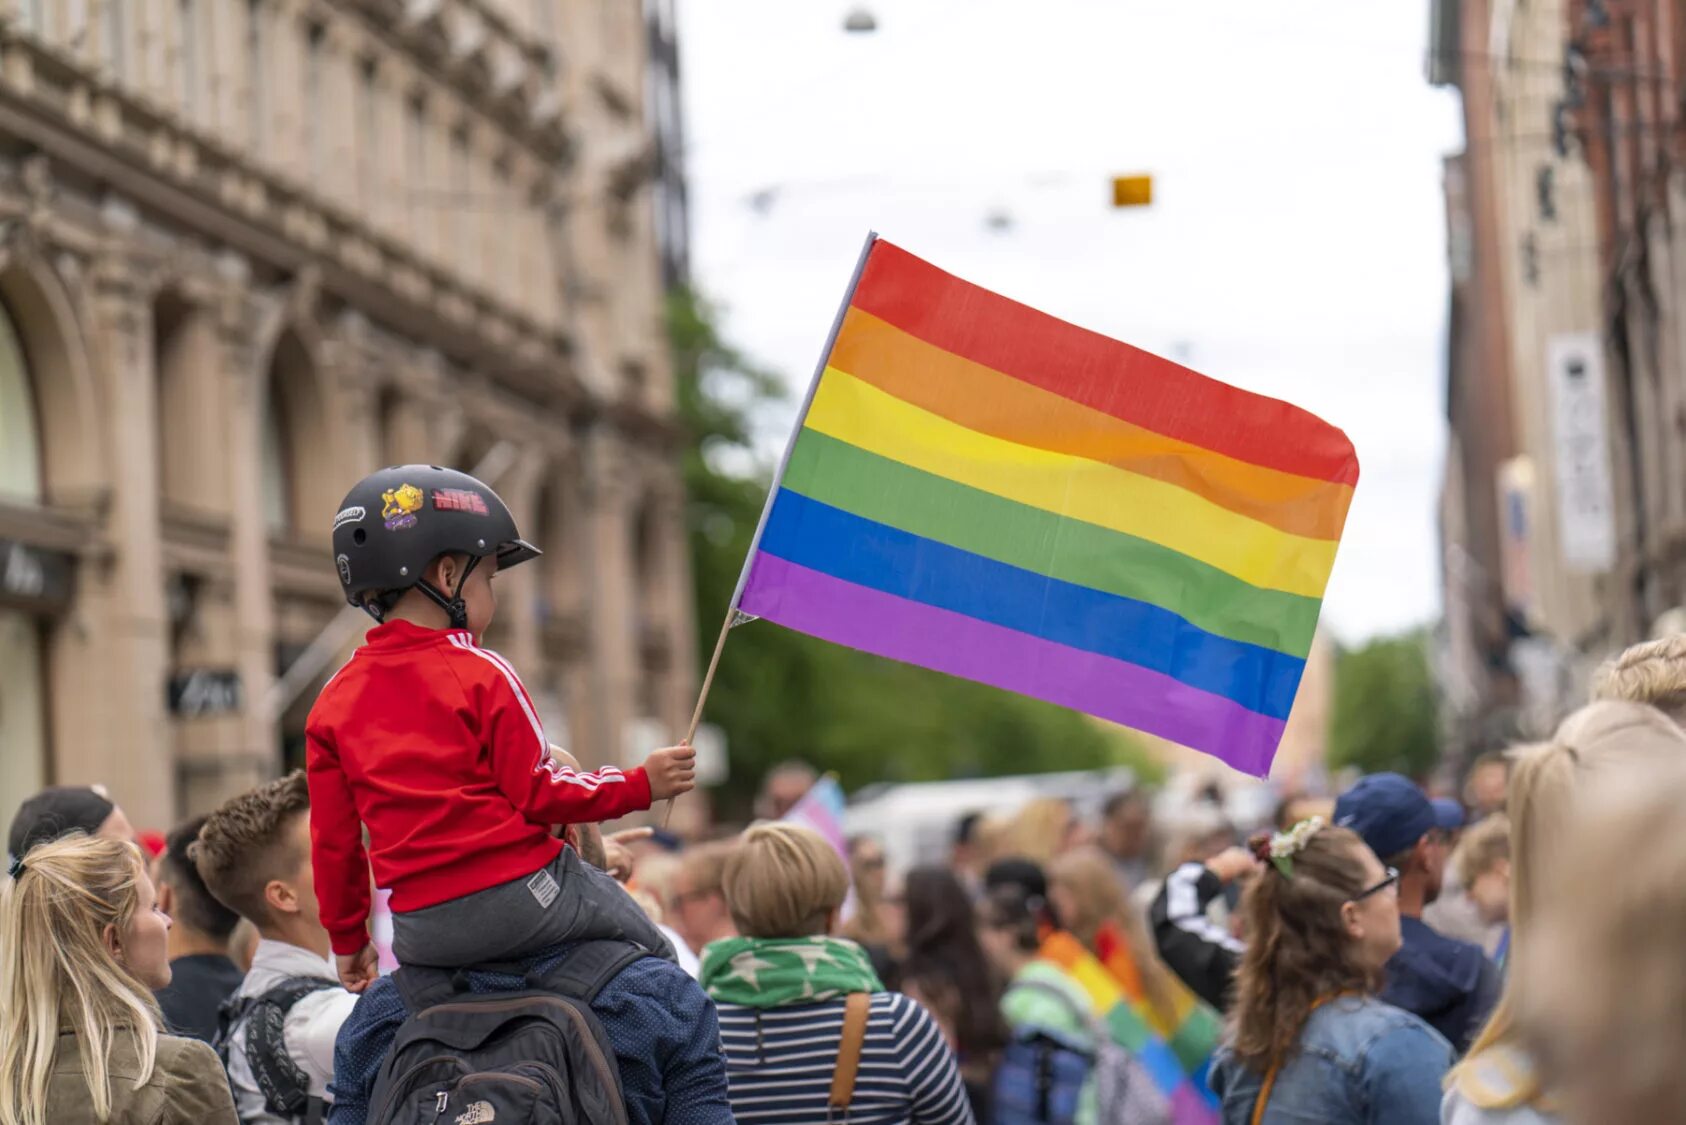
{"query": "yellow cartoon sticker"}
(400, 505)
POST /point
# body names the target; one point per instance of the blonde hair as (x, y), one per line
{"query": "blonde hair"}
(1605, 997)
(1547, 784)
(783, 881)
(1038, 832)
(1653, 672)
(1481, 847)
(55, 969)
(1101, 898)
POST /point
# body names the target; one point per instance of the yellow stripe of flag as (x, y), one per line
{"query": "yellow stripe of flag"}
(854, 411)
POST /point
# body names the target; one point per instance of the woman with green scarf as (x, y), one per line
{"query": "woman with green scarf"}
(784, 991)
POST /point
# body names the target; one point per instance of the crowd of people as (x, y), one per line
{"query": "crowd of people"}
(1508, 956)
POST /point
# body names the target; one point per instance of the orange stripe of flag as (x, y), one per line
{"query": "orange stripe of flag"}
(989, 402)
(1105, 374)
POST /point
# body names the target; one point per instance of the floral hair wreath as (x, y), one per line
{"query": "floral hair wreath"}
(1280, 848)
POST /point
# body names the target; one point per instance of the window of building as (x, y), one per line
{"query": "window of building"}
(255, 72)
(368, 142)
(415, 160)
(115, 44)
(314, 46)
(20, 439)
(277, 498)
(32, 15)
(462, 204)
(187, 12)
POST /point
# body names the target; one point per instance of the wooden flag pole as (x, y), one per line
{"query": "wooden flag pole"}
(772, 491)
(702, 697)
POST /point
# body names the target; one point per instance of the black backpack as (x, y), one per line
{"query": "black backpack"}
(285, 1087)
(533, 1056)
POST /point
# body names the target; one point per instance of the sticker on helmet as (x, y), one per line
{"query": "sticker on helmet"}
(345, 568)
(459, 500)
(400, 505)
(348, 515)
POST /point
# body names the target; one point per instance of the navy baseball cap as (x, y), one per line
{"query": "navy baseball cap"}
(1388, 811)
(1448, 813)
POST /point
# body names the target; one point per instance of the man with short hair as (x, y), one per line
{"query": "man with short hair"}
(202, 975)
(254, 855)
(663, 1028)
(1449, 983)
(696, 904)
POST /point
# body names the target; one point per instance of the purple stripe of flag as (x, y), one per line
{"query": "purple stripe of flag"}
(846, 614)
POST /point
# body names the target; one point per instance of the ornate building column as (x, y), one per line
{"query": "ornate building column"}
(238, 321)
(134, 659)
(610, 604)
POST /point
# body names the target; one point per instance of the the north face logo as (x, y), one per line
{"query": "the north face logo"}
(480, 1113)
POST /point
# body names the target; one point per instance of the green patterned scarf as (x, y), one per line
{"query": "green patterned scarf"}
(774, 972)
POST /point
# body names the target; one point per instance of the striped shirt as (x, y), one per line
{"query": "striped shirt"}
(780, 1063)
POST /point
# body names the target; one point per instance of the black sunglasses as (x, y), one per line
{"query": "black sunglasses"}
(1391, 879)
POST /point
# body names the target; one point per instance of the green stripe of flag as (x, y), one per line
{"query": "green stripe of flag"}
(834, 472)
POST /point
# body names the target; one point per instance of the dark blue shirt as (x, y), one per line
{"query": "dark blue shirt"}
(1449, 983)
(664, 1030)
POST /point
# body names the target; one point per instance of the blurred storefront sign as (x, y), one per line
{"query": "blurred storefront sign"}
(205, 692)
(1585, 499)
(34, 579)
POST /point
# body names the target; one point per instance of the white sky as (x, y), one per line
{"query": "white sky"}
(1296, 246)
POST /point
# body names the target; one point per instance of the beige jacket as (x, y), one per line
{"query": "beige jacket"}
(187, 1087)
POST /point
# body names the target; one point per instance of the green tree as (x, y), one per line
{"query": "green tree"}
(780, 694)
(1384, 714)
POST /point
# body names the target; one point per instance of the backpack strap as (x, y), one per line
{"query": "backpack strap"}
(423, 986)
(1067, 1001)
(285, 1087)
(587, 967)
(856, 1008)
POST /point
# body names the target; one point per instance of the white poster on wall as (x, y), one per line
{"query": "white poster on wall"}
(1586, 512)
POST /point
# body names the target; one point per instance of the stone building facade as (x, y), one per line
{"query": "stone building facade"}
(1564, 504)
(253, 249)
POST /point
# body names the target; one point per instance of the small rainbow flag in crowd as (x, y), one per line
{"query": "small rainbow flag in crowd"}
(980, 488)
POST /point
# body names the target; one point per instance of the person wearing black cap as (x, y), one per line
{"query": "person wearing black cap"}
(58, 811)
(1449, 983)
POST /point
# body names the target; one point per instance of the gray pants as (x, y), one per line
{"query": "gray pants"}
(566, 901)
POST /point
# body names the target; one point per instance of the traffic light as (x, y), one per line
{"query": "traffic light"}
(1132, 191)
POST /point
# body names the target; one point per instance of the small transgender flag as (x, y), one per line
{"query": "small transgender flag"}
(822, 810)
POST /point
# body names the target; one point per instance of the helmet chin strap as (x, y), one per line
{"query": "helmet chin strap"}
(453, 606)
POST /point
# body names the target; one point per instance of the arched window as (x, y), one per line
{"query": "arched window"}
(20, 437)
(302, 479)
(277, 495)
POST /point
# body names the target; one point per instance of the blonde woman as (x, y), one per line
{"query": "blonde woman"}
(1498, 1083)
(82, 946)
(1042, 829)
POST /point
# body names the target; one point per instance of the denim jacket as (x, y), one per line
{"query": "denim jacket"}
(1357, 1061)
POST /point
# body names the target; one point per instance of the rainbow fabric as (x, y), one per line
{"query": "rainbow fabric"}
(1191, 1028)
(982, 489)
(1191, 1098)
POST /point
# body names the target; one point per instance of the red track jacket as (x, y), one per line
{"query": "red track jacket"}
(434, 744)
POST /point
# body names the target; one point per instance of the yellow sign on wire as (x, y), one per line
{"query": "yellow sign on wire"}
(1132, 191)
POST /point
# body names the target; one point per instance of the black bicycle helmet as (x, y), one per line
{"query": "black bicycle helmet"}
(395, 522)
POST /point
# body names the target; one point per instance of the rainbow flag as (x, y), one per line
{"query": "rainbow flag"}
(1190, 1095)
(979, 488)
